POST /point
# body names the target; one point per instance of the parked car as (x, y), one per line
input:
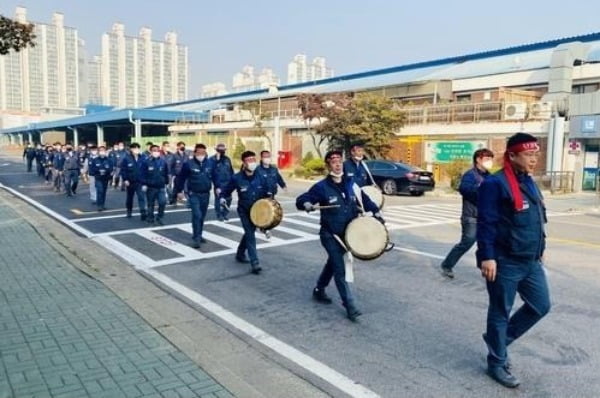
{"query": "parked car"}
(395, 177)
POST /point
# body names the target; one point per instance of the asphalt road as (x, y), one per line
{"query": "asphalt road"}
(420, 334)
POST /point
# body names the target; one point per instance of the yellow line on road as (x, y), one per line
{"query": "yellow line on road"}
(575, 242)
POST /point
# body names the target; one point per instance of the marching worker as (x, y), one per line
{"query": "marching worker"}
(86, 171)
(355, 168)
(131, 175)
(197, 173)
(72, 168)
(155, 176)
(250, 187)
(511, 244)
(116, 156)
(270, 173)
(58, 162)
(176, 162)
(48, 162)
(483, 161)
(101, 168)
(337, 189)
(223, 171)
(29, 155)
(39, 160)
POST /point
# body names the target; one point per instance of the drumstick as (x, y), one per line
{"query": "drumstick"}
(325, 207)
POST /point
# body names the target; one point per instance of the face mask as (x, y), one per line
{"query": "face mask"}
(358, 158)
(94, 153)
(155, 154)
(221, 151)
(200, 158)
(69, 149)
(266, 161)
(181, 149)
(121, 148)
(251, 166)
(102, 154)
(488, 164)
(135, 151)
(336, 175)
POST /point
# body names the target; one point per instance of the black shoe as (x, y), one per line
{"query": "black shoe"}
(128, 214)
(320, 296)
(508, 363)
(447, 272)
(256, 269)
(242, 259)
(225, 218)
(100, 208)
(202, 240)
(196, 244)
(143, 217)
(159, 221)
(150, 220)
(503, 376)
(352, 312)
(219, 218)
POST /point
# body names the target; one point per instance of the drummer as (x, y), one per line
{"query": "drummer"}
(270, 173)
(197, 172)
(336, 189)
(355, 167)
(250, 187)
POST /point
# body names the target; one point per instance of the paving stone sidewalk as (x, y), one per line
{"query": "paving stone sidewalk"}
(64, 334)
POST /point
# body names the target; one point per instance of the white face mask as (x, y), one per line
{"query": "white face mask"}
(135, 151)
(358, 158)
(266, 161)
(102, 153)
(94, 153)
(336, 175)
(488, 164)
(200, 158)
(155, 154)
(251, 166)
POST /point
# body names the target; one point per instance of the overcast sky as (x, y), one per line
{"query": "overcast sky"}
(223, 36)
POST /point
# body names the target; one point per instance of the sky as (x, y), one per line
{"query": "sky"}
(352, 35)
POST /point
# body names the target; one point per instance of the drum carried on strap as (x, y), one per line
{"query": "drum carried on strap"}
(367, 238)
(375, 194)
(266, 213)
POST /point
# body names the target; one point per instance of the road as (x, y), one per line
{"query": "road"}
(420, 334)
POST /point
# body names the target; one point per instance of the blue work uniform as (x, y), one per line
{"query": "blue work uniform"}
(516, 240)
(29, 155)
(72, 168)
(116, 156)
(39, 161)
(358, 172)
(468, 188)
(334, 222)
(101, 168)
(58, 162)
(272, 177)
(176, 162)
(155, 176)
(195, 177)
(48, 162)
(250, 188)
(131, 172)
(222, 173)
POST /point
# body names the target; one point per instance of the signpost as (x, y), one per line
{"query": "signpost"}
(448, 151)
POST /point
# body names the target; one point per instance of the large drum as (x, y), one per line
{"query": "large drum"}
(375, 194)
(367, 238)
(266, 213)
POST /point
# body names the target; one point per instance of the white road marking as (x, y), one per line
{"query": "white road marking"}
(319, 369)
(167, 243)
(418, 252)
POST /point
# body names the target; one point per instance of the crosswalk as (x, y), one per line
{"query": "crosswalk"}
(170, 244)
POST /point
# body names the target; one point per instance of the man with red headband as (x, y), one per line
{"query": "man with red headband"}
(511, 244)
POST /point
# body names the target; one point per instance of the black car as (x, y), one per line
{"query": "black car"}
(395, 177)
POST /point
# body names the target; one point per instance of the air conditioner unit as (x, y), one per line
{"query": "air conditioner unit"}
(540, 110)
(515, 110)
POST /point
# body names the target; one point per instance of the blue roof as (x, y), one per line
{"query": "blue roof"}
(153, 115)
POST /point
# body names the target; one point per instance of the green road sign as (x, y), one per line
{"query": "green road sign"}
(444, 152)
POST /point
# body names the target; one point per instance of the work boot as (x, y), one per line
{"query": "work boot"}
(320, 296)
(143, 216)
(256, 268)
(159, 221)
(352, 312)
(242, 259)
(503, 376)
(508, 363)
(196, 244)
(447, 272)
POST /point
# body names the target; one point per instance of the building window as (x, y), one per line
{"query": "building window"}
(585, 88)
(463, 98)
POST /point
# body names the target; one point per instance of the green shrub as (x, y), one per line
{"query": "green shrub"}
(455, 170)
(315, 167)
(307, 158)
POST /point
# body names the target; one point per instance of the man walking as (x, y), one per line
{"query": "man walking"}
(483, 161)
(511, 243)
(155, 177)
(72, 168)
(101, 168)
(131, 175)
(223, 171)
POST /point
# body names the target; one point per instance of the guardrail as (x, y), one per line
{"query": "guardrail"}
(556, 181)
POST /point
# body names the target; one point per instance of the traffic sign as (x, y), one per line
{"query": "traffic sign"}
(448, 151)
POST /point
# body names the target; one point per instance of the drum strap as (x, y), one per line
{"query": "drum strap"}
(349, 263)
(368, 172)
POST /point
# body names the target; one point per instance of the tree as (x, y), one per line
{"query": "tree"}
(258, 117)
(15, 35)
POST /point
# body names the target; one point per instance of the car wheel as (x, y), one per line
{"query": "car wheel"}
(417, 193)
(389, 187)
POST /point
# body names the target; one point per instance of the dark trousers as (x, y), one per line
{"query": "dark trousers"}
(29, 164)
(248, 242)
(221, 211)
(135, 188)
(40, 168)
(334, 268)
(467, 240)
(71, 181)
(101, 188)
(58, 178)
(527, 278)
(156, 195)
(199, 205)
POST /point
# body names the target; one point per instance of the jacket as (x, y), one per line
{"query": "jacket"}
(101, 167)
(250, 188)
(357, 171)
(272, 177)
(222, 172)
(198, 176)
(155, 173)
(131, 168)
(468, 188)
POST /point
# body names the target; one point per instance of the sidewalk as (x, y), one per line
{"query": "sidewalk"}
(64, 334)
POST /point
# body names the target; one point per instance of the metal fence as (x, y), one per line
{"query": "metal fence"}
(556, 181)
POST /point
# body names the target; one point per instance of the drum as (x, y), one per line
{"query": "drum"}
(367, 238)
(266, 213)
(375, 194)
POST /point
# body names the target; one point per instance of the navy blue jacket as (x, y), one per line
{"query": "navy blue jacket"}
(116, 156)
(250, 188)
(504, 232)
(155, 172)
(358, 172)
(29, 153)
(223, 170)
(48, 159)
(101, 167)
(176, 161)
(273, 177)
(39, 155)
(58, 161)
(325, 193)
(468, 188)
(197, 174)
(131, 168)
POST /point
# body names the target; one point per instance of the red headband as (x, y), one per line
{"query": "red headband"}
(524, 146)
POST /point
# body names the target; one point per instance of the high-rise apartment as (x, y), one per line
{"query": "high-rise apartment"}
(44, 76)
(299, 70)
(139, 71)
